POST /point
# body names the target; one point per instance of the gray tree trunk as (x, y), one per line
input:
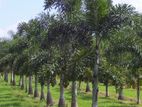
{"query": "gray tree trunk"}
(26, 84)
(87, 87)
(95, 77)
(22, 82)
(11, 81)
(61, 99)
(74, 94)
(14, 81)
(30, 91)
(36, 87)
(120, 93)
(107, 93)
(6, 76)
(42, 97)
(49, 99)
(0, 76)
(138, 90)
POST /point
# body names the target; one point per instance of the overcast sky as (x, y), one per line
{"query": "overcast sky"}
(13, 12)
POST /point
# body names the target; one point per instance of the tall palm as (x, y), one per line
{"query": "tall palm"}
(102, 17)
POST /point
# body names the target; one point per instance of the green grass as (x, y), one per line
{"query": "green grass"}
(128, 92)
(14, 97)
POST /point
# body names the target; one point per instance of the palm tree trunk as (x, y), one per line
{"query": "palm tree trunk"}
(0, 76)
(26, 85)
(49, 99)
(95, 77)
(74, 94)
(87, 87)
(120, 93)
(6, 76)
(42, 97)
(61, 99)
(11, 81)
(138, 90)
(14, 81)
(22, 82)
(30, 85)
(36, 88)
(107, 94)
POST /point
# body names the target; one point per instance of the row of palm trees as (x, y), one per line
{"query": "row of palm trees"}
(79, 43)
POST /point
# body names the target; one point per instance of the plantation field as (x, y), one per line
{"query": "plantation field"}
(13, 96)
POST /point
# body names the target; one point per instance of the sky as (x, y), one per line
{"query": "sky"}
(13, 12)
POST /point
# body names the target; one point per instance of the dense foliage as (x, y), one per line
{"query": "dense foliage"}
(86, 40)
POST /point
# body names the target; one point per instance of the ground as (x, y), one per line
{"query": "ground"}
(11, 96)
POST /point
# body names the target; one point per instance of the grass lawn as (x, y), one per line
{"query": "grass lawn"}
(128, 92)
(14, 97)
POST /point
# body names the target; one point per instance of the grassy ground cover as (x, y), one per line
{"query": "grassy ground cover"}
(14, 97)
